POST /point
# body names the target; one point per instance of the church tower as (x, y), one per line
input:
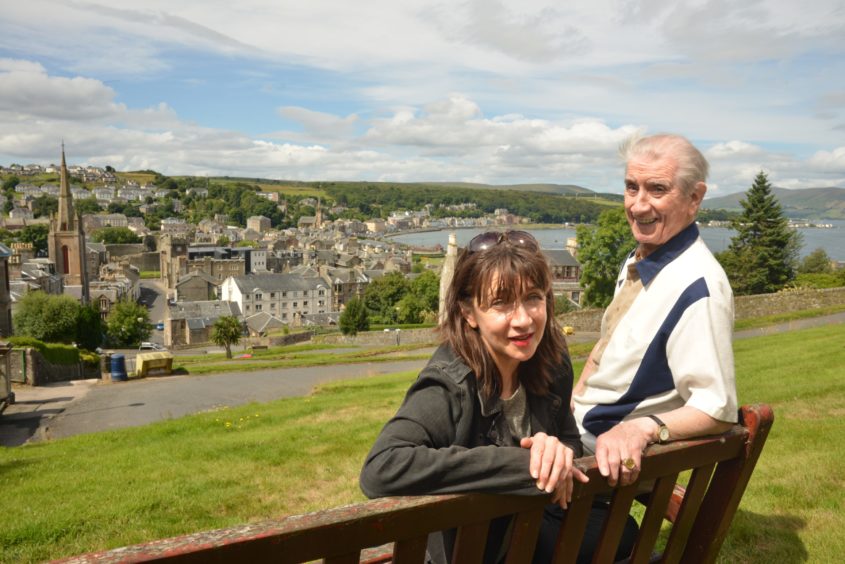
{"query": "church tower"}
(66, 240)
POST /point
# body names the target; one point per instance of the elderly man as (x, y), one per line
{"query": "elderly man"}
(663, 367)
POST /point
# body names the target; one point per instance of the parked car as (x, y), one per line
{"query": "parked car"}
(160, 326)
(145, 346)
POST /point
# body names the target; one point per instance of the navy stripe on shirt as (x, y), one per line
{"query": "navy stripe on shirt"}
(653, 376)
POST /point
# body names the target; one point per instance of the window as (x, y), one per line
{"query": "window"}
(321, 292)
(273, 305)
(257, 297)
(295, 304)
(257, 307)
(284, 316)
(246, 308)
(284, 294)
(272, 295)
(305, 303)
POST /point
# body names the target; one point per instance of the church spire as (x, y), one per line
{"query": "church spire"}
(67, 217)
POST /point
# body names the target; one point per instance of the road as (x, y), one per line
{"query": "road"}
(154, 297)
(88, 406)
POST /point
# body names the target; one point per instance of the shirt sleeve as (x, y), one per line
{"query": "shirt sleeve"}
(700, 354)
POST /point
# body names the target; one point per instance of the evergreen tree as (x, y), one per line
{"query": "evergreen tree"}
(761, 257)
(354, 318)
(601, 251)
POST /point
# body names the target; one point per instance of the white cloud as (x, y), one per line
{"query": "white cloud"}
(25, 88)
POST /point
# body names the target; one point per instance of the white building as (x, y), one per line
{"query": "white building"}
(285, 296)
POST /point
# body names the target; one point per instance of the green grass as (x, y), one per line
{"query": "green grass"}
(104, 490)
(150, 274)
(292, 356)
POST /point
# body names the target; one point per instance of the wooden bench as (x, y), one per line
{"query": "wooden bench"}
(700, 513)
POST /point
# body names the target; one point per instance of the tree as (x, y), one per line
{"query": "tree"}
(45, 205)
(601, 251)
(86, 205)
(10, 183)
(226, 332)
(89, 327)
(48, 318)
(383, 295)
(115, 235)
(128, 324)
(762, 256)
(37, 235)
(817, 262)
(563, 305)
(354, 317)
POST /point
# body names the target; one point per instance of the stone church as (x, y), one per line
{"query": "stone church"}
(66, 242)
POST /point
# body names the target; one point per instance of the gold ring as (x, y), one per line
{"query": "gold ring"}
(629, 463)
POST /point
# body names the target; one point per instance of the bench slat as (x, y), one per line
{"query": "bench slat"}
(470, 543)
(410, 551)
(653, 518)
(695, 490)
(614, 524)
(572, 529)
(526, 528)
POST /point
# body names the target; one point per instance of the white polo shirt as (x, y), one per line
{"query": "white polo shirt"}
(672, 348)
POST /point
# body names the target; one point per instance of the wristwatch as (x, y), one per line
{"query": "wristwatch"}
(662, 429)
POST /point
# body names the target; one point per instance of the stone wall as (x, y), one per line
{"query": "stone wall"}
(787, 301)
(589, 320)
(27, 366)
(383, 338)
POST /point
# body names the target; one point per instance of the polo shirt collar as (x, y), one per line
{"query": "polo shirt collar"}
(651, 265)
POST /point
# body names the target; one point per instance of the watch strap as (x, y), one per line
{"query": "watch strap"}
(661, 427)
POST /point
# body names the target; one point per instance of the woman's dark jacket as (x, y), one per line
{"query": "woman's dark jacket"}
(443, 440)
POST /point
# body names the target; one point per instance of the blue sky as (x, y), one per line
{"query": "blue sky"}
(495, 91)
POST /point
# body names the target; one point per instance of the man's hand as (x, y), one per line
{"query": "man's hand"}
(623, 442)
(551, 465)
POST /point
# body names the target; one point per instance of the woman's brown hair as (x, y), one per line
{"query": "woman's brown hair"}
(513, 268)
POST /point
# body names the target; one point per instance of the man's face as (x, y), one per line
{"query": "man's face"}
(657, 208)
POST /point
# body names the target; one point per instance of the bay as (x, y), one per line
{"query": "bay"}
(831, 239)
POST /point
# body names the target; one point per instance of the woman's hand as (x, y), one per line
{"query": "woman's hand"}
(551, 465)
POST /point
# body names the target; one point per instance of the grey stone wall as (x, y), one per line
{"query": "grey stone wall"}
(405, 336)
(745, 307)
(27, 366)
(787, 301)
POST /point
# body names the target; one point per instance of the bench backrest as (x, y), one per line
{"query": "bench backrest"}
(720, 469)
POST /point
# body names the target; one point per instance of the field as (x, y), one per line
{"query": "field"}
(230, 466)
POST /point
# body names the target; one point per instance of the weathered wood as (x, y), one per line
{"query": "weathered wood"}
(342, 534)
(653, 518)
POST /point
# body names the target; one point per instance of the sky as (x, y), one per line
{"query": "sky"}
(490, 91)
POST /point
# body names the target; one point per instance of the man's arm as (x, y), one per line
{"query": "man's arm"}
(629, 439)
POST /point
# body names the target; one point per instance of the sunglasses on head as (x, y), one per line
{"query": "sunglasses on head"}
(490, 239)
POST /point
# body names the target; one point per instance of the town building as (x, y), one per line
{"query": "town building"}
(286, 296)
(66, 241)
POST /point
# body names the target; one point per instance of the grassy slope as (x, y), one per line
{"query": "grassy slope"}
(266, 460)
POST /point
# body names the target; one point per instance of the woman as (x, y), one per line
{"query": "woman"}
(489, 413)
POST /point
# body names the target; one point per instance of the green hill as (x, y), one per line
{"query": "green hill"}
(808, 203)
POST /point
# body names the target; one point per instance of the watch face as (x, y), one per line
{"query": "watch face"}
(664, 433)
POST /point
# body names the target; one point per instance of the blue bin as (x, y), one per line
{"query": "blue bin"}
(118, 368)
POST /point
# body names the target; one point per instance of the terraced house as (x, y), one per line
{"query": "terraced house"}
(285, 296)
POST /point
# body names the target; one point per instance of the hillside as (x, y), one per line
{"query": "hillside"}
(809, 203)
(562, 189)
